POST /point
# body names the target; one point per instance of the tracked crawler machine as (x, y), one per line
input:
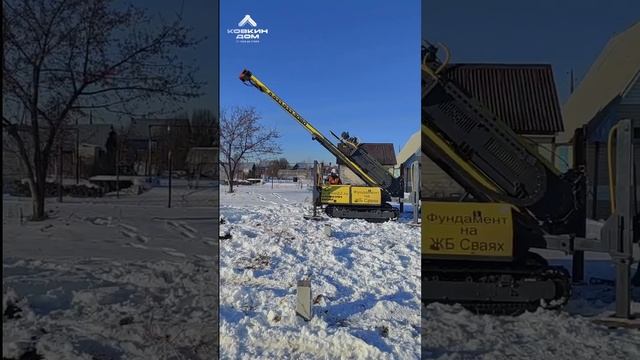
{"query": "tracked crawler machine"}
(478, 252)
(370, 202)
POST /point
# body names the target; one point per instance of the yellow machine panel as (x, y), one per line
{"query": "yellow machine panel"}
(462, 229)
(336, 194)
(366, 195)
(351, 195)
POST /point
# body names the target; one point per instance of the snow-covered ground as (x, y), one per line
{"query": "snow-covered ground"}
(365, 281)
(128, 278)
(451, 332)
(112, 278)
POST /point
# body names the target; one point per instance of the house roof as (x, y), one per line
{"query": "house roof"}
(202, 155)
(609, 76)
(94, 134)
(384, 153)
(522, 95)
(303, 165)
(244, 166)
(411, 147)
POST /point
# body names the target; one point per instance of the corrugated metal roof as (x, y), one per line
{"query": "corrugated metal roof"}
(609, 76)
(522, 95)
(384, 152)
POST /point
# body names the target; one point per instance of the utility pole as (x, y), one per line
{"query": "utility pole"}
(60, 188)
(170, 162)
(117, 167)
(78, 151)
(148, 169)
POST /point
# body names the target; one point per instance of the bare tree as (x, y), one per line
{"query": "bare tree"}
(243, 138)
(205, 128)
(276, 165)
(63, 58)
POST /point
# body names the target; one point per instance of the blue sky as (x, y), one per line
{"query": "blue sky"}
(344, 65)
(566, 34)
(353, 65)
(201, 16)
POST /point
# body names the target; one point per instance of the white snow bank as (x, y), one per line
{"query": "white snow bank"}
(112, 278)
(451, 332)
(105, 309)
(365, 281)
